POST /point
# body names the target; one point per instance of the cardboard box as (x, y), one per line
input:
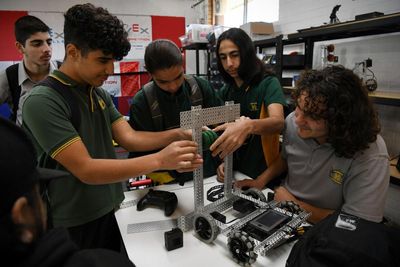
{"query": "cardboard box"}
(258, 28)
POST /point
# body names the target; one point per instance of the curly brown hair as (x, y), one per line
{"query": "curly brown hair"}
(338, 96)
(91, 28)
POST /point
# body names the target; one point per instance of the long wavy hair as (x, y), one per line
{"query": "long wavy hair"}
(338, 96)
(251, 69)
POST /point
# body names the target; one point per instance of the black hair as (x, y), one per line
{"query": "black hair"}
(28, 25)
(162, 54)
(10, 241)
(338, 96)
(251, 69)
(94, 28)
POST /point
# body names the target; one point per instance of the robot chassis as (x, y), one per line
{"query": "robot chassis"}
(243, 246)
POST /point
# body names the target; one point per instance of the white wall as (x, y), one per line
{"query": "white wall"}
(175, 8)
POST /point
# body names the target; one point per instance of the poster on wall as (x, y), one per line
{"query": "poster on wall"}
(139, 34)
(129, 73)
(138, 27)
(123, 84)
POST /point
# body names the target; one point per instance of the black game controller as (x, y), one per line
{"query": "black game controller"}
(162, 199)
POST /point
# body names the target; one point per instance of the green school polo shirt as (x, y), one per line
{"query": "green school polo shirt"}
(47, 121)
(249, 158)
(170, 106)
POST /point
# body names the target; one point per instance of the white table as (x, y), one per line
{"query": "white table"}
(148, 249)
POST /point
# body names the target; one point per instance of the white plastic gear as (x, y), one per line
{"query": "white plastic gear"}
(205, 227)
(241, 246)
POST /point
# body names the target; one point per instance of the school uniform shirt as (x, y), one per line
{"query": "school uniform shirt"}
(251, 157)
(356, 185)
(47, 119)
(170, 107)
(26, 84)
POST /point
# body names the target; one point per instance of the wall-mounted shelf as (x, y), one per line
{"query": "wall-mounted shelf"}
(197, 47)
(383, 98)
(373, 26)
(355, 28)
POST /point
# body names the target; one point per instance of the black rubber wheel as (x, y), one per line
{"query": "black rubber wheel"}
(205, 227)
(241, 246)
(256, 194)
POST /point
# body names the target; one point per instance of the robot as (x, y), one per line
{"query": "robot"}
(261, 224)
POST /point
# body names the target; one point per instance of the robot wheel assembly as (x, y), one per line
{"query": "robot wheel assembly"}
(241, 246)
(291, 207)
(205, 227)
(256, 194)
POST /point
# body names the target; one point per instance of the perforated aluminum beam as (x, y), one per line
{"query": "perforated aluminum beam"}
(195, 119)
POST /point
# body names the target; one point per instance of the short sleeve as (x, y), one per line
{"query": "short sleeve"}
(274, 93)
(46, 118)
(366, 186)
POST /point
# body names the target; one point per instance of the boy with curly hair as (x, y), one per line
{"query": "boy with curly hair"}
(332, 151)
(85, 201)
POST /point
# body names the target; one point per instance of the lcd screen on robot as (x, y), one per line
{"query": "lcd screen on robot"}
(269, 220)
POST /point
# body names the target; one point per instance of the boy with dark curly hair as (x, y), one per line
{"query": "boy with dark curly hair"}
(332, 150)
(85, 201)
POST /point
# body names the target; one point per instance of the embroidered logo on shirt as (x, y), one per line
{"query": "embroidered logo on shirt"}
(102, 104)
(347, 222)
(253, 106)
(336, 176)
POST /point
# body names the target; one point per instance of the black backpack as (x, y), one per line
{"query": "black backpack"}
(151, 97)
(345, 240)
(65, 91)
(196, 99)
(15, 88)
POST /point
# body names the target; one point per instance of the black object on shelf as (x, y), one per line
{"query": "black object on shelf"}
(356, 28)
(287, 81)
(369, 15)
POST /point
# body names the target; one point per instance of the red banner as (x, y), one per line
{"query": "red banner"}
(7, 45)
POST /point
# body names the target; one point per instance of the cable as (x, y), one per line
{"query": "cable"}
(216, 192)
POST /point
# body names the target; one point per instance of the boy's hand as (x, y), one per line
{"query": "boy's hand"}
(250, 183)
(234, 135)
(180, 155)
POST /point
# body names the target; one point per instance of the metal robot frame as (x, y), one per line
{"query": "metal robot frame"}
(195, 119)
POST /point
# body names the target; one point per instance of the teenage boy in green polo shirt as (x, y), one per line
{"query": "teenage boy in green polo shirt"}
(85, 201)
(173, 93)
(255, 135)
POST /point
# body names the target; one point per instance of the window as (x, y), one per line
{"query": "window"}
(257, 10)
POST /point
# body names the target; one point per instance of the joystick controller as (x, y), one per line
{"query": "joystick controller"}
(162, 199)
